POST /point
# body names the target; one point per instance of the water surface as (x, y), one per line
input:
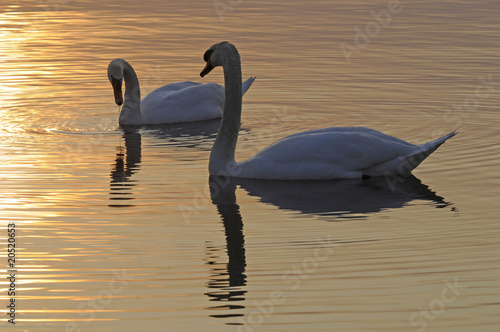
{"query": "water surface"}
(122, 228)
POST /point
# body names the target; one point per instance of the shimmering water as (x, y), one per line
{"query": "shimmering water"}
(117, 230)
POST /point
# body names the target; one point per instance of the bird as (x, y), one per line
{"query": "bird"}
(172, 103)
(328, 153)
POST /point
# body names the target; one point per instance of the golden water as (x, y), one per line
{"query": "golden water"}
(116, 229)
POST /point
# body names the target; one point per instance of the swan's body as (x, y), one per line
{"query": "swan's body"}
(337, 153)
(172, 103)
(330, 153)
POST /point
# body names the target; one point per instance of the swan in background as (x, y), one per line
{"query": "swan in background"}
(172, 103)
(330, 153)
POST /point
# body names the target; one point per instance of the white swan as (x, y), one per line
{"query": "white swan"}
(176, 102)
(330, 153)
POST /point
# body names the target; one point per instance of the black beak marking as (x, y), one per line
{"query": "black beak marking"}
(117, 90)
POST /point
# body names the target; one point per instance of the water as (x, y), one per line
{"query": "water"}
(116, 228)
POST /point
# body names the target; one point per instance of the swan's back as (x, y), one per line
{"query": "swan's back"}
(337, 153)
(183, 102)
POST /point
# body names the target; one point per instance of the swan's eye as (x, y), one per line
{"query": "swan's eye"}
(207, 55)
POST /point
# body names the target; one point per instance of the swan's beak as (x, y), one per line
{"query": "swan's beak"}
(117, 90)
(208, 68)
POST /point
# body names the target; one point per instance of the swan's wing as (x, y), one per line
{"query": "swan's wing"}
(183, 102)
(247, 84)
(326, 154)
(174, 87)
(354, 130)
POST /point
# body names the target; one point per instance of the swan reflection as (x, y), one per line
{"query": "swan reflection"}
(342, 198)
(199, 135)
(127, 163)
(227, 281)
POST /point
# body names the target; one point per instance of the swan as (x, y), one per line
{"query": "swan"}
(329, 153)
(172, 103)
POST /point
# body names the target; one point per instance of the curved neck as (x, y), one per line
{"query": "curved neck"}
(222, 155)
(131, 111)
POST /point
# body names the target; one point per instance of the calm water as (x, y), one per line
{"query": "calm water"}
(116, 229)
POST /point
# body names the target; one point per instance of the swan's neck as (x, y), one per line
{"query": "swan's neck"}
(222, 157)
(131, 110)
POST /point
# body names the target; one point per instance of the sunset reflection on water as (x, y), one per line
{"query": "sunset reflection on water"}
(117, 228)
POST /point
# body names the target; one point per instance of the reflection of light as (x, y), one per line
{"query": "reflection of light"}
(7, 205)
(38, 320)
(31, 211)
(11, 38)
(27, 42)
(7, 202)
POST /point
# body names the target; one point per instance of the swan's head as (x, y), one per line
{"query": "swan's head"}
(115, 76)
(213, 56)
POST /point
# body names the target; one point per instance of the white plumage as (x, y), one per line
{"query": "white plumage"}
(172, 103)
(330, 153)
(337, 153)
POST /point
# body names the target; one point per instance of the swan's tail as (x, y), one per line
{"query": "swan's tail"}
(247, 84)
(410, 162)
